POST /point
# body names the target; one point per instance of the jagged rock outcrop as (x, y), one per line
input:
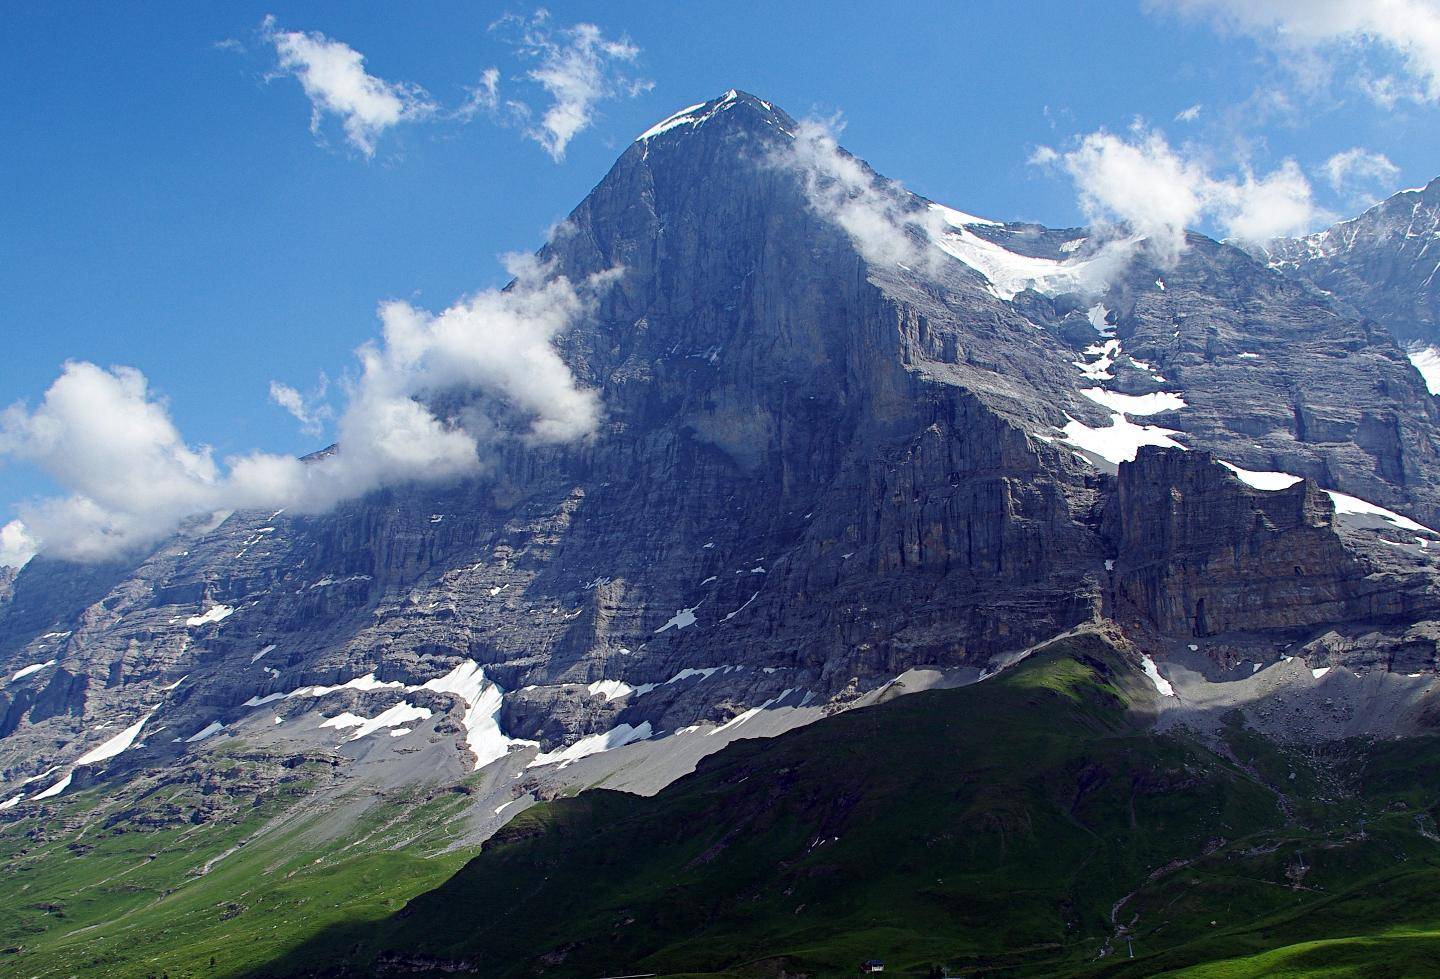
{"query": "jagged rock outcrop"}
(1203, 555)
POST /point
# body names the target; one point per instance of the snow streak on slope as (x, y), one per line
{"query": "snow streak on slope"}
(1269, 481)
(115, 745)
(594, 744)
(392, 717)
(1162, 685)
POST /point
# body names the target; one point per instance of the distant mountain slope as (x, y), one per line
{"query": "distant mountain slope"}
(1027, 825)
(1384, 263)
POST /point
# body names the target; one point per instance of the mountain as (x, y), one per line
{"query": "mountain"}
(853, 444)
(1383, 264)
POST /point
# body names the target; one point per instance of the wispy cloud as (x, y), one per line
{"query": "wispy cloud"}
(1396, 42)
(877, 213)
(132, 479)
(311, 412)
(578, 67)
(1190, 114)
(334, 78)
(481, 97)
(562, 76)
(1357, 171)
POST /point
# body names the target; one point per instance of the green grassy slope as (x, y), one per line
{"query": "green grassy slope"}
(990, 829)
(116, 886)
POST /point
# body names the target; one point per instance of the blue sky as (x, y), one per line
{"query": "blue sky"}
(167, 207)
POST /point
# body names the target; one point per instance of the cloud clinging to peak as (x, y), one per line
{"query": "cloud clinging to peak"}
(1158, 191)
(334, 78)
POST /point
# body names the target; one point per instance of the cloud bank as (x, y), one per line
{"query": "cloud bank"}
(1399, 38)
(132, 479)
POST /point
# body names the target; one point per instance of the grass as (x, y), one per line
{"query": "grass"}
(1011, 828)
(101, 898)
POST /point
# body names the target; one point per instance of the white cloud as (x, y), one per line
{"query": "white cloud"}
(100, 434)
(310, 412)
(1190, 114)
(876, 213)
(578, 67)
(1311, 35)
(1158, 191)
(491, 359)
(334, 78)
(483, 97)
(1140, 182)
(1347, 170)
(1043, 156)
(1258, 209)
(16, 545)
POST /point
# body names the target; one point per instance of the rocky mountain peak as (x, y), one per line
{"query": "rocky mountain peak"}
(732, 111)
(1381, 265)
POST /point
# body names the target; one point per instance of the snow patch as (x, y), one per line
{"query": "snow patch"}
(610, 689)
(959, 219)
(681, 619)
(1270, 481)
(1320, 671)
(267, 649)
(1344, 503)
(1100, 368)
(1135, 404)
(731, 615)
(258, 701)
(115, 745)
(1008, 273)
(483, 700)
(1427, 362)
(55, 789)
(1096, 315)
(215, 614)
(22, 673)
(1120, 441)
(1162, 685)
(402, 713)
(208, 731)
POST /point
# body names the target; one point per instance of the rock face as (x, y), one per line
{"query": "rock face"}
(1204, 557)
(1384, 263)
(815, 472)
